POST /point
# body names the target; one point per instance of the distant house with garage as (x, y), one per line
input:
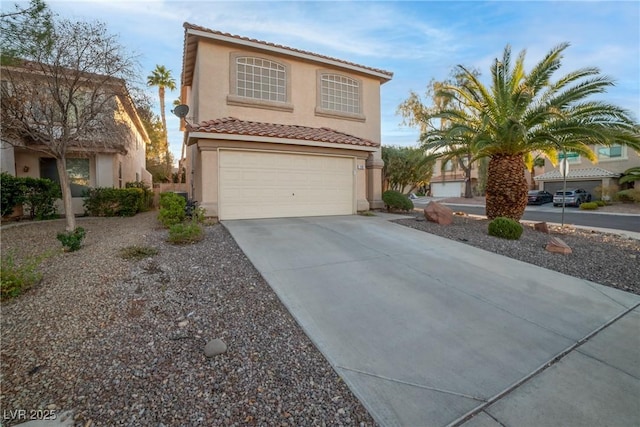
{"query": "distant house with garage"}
(449, 179)
(274, 131)
(612, 161)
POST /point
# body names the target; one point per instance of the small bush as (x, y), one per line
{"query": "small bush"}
(589, 206)
(601, 203)
(146, 201)
(39, 196)
(72, 240)
(183, 233)
(11, 194)
(16, 279)
(137, 252)
(505, 228)
(395, 200)
(172, 209)
(631, 195)
(113, 201)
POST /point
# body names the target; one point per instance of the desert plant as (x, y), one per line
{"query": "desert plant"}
(395, 200)
(136, 252)
(601, 203)
(185, 232)
(172, 209)
(505, 228)
(589, 206)
(631, 195)
(17, 278)
(72, 240)
(605, 192)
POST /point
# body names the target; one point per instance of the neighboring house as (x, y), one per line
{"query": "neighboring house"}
(111, 164)
(449, 181)
(275, 131)
(595, 178)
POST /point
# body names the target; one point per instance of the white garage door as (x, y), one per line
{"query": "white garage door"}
(269, 185)
(446, 189)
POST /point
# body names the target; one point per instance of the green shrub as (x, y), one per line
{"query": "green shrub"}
(72, 240)
(14, 278)
(395, 200)
(505, 228)
(39, 196)
(137, 252)
(11, 194)
(146, 201)
(628, 196)
(589, 206)
(185, 232)
(601, 203)
(113, 201)
(172, 209)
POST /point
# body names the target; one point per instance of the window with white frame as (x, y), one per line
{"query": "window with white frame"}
(340, 93)
(448, 166)
(612, 152)
(260, 78)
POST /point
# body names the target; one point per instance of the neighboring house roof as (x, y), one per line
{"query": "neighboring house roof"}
(585, 173)
(233, 126)
(192, 32)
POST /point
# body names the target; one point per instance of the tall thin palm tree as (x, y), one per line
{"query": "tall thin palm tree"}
(162, 78)
(521, 112)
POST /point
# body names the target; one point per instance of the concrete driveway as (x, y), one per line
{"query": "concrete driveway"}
(431, 332)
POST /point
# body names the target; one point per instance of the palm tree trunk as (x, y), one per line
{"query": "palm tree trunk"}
(165, 134)
(506, 187)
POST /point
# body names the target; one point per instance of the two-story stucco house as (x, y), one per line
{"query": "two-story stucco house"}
(275, 131)
(90, 163)
(611, 163)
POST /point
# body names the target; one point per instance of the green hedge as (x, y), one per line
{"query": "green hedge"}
(114, 201)
(37, 195)
(505, 228)
(146, 202)
(396, 200)
(172, 209)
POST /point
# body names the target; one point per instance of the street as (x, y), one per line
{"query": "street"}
(548, 213)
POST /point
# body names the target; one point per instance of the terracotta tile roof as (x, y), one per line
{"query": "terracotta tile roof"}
(387, 75)
(578, 174)
(233, 126)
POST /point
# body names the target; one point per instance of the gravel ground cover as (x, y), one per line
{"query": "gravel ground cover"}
(603, 258)
(121, 342)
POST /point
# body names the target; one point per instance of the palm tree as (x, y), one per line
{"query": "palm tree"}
(161, 77)
(521, 113)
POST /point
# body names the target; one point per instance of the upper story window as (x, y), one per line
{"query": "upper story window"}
(259, 82)
(612, 152)
(339, 95)
(260, 78)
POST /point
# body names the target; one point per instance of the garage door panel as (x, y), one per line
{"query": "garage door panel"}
(267, 185)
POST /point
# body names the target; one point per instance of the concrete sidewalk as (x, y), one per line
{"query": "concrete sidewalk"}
(431, 332)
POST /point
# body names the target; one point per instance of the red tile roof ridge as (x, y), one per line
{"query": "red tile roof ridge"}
(188, 25)
(234, 126)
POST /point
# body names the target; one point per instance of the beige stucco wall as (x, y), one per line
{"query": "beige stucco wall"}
(209, 98)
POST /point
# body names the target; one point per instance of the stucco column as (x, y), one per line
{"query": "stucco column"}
(374, 180)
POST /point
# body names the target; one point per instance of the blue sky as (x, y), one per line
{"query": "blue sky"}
(417, 41)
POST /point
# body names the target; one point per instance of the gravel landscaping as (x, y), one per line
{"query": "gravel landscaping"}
(121, 342)
(604, 258)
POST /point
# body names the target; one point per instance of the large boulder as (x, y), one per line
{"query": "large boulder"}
(557, 245)
(435, 212)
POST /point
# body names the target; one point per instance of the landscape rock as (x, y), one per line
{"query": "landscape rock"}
(541, 227)
(557, 245)
(214, 347)
(440, 214)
